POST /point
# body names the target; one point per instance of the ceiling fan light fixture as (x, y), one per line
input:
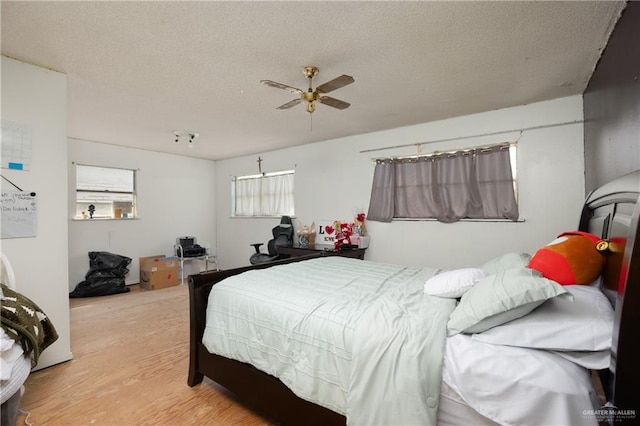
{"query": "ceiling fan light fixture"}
(311, 106)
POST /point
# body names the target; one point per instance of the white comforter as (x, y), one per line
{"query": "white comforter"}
(357, 337)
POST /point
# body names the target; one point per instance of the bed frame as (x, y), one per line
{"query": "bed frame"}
(257, 389)
(611, 212)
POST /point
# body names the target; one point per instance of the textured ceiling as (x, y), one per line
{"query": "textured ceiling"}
(137, 71)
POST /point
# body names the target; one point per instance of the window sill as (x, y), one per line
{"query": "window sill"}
(430, 219)
(261, 217)
(101, 219)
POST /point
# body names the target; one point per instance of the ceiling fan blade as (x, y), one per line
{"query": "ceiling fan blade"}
(334, 84)
(333, 102)
(281, 86)
(290, 104)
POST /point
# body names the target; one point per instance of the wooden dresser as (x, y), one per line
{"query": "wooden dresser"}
(357, 253)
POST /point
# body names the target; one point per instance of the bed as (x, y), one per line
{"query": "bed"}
(26, 331)
(15, 367)
(311, 388)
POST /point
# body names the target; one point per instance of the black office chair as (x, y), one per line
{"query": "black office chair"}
(282, 237)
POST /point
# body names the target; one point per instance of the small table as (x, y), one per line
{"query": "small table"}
(208, 258)
(357, 253)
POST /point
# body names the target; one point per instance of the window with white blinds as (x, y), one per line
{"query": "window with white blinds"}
(105, 192)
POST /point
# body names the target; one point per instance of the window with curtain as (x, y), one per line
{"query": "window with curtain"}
(267, 194)
(467, 184)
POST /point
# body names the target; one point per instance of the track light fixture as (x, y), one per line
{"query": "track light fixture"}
(186, 134)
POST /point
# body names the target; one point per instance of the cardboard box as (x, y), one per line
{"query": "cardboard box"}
(158, 272)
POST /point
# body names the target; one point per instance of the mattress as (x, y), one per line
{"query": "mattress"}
(514, 386)
(455, 411)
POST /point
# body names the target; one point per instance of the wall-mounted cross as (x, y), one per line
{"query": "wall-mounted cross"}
(259, 161)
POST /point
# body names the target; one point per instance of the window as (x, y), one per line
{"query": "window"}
(266, 194)
(475, 183)
(110, 191)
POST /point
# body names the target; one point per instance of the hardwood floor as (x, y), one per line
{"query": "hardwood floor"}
(130, 368)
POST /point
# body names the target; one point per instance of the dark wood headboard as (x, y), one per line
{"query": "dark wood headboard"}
(612, 212)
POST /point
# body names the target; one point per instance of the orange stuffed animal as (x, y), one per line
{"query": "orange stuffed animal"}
(573, 258)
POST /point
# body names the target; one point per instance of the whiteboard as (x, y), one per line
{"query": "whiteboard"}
(19, 214)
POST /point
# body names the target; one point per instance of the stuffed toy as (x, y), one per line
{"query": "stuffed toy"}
(573, 258)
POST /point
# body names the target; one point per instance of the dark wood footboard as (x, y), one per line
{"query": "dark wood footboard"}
(199, 288)
(258, 389)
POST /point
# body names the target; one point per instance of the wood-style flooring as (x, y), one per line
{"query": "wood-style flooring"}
(129, 367)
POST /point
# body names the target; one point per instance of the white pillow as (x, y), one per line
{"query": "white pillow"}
(586, 324)
(453, 284)
(500, 298)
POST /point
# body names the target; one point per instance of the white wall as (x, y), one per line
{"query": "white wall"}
(37, 97)
(175, 197)
(333, 180)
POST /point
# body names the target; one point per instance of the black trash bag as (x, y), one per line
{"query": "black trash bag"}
(99, 287)
(105, 276)
(102, 260)
(106, 273)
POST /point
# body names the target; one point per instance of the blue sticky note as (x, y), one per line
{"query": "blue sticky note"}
(16, 166)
